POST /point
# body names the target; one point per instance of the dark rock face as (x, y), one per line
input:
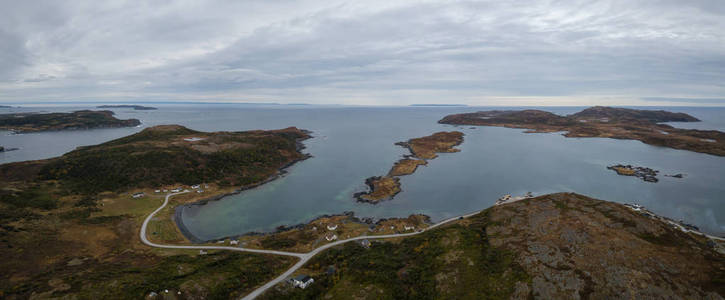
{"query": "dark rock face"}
(576, 247)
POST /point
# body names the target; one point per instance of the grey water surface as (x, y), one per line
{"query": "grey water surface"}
(353, 143)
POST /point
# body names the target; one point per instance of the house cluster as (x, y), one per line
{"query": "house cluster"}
(331, 237)
(197, 187)
(302, 281)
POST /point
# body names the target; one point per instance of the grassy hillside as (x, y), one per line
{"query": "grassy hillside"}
(69, 226)
(165, 155)
(82, 119)
(559, 246)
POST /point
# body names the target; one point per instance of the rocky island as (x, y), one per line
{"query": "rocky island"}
(643, 173)
(421, 149)
(69, 225)
(606, 122)
(82, 119)
(135, 107)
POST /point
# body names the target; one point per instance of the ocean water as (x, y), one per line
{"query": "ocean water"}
(353, 143)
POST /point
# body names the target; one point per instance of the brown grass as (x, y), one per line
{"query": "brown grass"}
(406, 167)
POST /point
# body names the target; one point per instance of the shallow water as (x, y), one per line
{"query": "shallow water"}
(353, 143)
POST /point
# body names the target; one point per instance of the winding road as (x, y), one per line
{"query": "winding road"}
(304, 257)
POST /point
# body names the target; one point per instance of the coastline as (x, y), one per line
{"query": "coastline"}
(282, 171)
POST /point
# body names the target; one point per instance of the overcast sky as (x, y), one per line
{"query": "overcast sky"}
(630, 52)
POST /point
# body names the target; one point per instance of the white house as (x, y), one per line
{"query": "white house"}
(176, 190)
(331, 237)
(200, 191)
(157, 191)
(408, 227)
(138, 195)
(302, 281)
(196, 186)
(331, 226)
(233, 242)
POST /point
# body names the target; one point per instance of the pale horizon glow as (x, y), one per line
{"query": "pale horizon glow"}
(479, 53)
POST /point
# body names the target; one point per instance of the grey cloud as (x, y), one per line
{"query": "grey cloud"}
(372, 52)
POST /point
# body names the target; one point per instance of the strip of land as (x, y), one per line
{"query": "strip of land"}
(135, 107)
(69, 225)
(421, 149)
(82, 119)
(606, 122)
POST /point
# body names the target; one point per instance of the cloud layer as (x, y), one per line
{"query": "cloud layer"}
(365, 52)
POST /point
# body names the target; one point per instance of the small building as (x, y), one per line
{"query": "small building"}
(202, 252)
(302, 281)
(331, 237)
(138, 195)
(176, 190)
(196, 186)
(234, 242)
(157, 191)
(331, 226)
(409, 227)
(365, 243)
(199, 191)
(165, 191)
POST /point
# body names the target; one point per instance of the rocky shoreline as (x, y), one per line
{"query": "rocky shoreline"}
(605, 122)
(644, 173)
(281, 172)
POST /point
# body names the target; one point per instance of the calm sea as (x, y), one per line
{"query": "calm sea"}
(353, 143)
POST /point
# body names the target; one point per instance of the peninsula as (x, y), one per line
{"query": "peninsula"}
(606, 122)
(82, 119)
(135, 107)
(69, 225)
(421, 149)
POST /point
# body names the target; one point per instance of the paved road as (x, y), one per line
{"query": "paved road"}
(304, 257)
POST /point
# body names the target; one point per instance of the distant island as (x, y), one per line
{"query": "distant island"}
(438, 105)
(82, 119)
(5, 106)
(3, 149)
(422, 149)
(607, 122)
(135, 107)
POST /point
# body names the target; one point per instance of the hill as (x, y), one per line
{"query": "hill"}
(82, 119)
(558, 246)
(606, 122)
(69, 225)
(168, 154)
